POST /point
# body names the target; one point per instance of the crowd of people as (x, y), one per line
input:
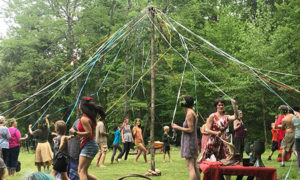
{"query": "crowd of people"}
(71, 155)
(286, 134)
(211, 144)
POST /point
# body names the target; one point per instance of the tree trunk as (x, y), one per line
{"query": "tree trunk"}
(125, 69)
(165, 6)
(125, 84)
(152, 92)
(264, 118)
(129, 6)
(112, 12)
(147, 121)
(71, 38)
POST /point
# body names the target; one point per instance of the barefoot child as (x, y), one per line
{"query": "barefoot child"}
(166, 147)
(274, 140)
(61, 157)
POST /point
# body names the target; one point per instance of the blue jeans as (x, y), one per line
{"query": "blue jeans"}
(12, 157)
(115, 147)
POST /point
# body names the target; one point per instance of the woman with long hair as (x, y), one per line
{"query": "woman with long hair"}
(139, 141)
(86, 130)
(126, 136)
(43, 152)
(239, 134)
(189, 144)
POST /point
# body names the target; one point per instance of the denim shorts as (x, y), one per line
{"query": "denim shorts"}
(90, 149)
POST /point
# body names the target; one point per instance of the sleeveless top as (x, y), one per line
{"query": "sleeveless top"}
(189, 143)
(81, 129)
(240, 132)
(138, 138)
(57, 151)
(214, 145)
(219, 124)
(127, 133)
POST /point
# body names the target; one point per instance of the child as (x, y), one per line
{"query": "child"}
(116, 145)
(61, 157)
(166, 147)
(274, 140)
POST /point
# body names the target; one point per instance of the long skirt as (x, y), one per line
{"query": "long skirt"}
(43, 154)
(73, 169)
(215, 147)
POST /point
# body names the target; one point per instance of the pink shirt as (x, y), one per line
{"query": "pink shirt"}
(15, 136)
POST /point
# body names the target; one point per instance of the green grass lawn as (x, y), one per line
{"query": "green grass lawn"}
(174, 171)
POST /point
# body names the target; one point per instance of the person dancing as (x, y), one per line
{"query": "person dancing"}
(239, 134)
(139, 141)
(43, 152)
(14, 147)
(74, 151)
(86, 130)
(216, 125)
(296, 122)
(116, 145)
(61, 157)
(189, 144)
(127, 138)
(4, 146)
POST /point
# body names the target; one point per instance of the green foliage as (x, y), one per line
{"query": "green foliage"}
(262, 34)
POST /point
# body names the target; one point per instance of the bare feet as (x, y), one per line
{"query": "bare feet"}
(164, 161)
(111, 162)
(117, 160)
(147, 162)
(97, 165)
(170, 161)
(102, 166)
(134, 161)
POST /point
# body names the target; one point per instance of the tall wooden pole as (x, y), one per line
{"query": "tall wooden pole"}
(151, 11)
(126, 67)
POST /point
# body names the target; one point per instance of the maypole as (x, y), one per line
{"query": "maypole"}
(152, 151)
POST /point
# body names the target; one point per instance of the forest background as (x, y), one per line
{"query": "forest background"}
(46, 34)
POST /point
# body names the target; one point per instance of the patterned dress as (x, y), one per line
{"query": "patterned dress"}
(214, 145)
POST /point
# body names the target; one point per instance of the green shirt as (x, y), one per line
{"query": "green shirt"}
(166, 139)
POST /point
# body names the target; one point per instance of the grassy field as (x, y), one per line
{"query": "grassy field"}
(175, 170)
